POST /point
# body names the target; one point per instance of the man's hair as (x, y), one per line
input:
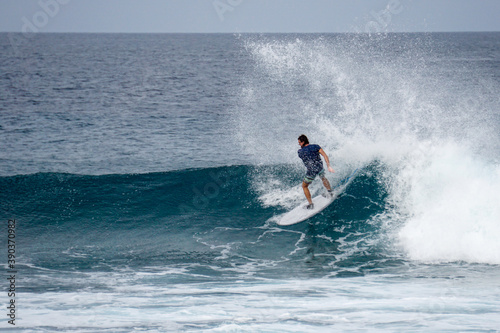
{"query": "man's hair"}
(304, 139)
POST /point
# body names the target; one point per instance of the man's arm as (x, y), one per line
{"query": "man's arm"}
(322, 152)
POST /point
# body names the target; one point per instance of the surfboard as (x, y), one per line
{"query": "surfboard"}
(301, 213)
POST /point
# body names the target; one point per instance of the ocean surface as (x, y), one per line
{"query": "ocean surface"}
(145, 173)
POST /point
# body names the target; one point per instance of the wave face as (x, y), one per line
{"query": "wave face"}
(201, 219)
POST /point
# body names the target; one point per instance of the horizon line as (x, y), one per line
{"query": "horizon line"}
(251, 32)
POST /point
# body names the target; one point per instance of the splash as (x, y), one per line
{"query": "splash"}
(452, 206)
(429, 120)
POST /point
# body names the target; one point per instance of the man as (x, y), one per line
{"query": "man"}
(310, 156)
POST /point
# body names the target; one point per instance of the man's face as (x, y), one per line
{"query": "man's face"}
(301, 144)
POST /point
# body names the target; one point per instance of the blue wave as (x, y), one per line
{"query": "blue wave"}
(80, 222)
(54, 198)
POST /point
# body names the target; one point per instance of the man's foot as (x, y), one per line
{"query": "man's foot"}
(328, 194)
(310, 206)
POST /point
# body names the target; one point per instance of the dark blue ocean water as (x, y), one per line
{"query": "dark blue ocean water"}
(145, 173)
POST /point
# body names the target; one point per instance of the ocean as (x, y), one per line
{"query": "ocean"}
(141, 176)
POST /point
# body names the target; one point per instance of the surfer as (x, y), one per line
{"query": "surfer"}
(309, 153)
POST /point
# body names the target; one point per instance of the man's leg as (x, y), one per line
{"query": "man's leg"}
(326, 183)
(305, 187)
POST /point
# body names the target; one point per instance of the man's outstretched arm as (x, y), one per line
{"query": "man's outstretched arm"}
(322, 152)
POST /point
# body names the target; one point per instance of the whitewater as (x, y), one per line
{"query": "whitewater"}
(144, 173)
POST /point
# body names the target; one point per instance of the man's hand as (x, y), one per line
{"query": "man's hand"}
(330, 169)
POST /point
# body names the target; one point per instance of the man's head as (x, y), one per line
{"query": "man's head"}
(303, 141)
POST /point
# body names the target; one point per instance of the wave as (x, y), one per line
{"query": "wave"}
(219, 217)
(186, 216)
(116, 200)
(65, 197)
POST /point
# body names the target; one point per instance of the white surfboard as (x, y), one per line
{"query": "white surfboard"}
(301, 213)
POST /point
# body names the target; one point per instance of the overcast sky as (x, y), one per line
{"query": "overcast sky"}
(249, 15)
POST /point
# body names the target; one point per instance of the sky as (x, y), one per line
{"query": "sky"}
(241, 16)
